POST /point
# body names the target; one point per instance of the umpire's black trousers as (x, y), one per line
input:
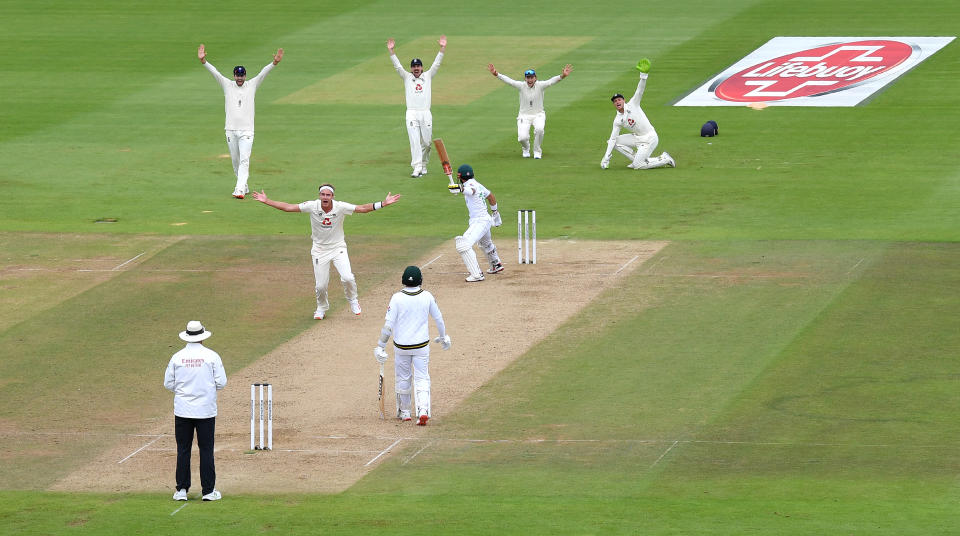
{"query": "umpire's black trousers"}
(183, 429)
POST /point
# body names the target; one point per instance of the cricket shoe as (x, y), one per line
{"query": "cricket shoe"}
(405, 415)
(526, 153)
(423, 171)
(495, 268)
(318, 314)
(422, 421)
(669, 159)
(355, 307)
(472, 279)
(537, 155)
(417, 171)
(238, 194)
(212, 496)
(180, 495)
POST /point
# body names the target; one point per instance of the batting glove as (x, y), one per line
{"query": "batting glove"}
(444, 342)
(380, 354)
(497, 220)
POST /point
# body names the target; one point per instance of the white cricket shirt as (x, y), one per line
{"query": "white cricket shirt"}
(239, 101)
(475, 196)
(327, 227)
(195, 374)
(417, 89)
(632, 118)
(408, 316)
(531, 98)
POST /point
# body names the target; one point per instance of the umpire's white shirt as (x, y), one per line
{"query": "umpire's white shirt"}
(531, 98)
(417, 89)
(633, 119)
(408, 316)
(195, 374)
(327, 227)
(239, 101)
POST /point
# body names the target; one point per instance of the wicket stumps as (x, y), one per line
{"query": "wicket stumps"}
(526, 236)
(253, 414)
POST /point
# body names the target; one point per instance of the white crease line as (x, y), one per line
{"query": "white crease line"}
(139, 449)
(665, 453)
(431, 261)
(854, 267)
(415, 454)
(178, 509)
(384, 451)
(129, 261)
(635, 257)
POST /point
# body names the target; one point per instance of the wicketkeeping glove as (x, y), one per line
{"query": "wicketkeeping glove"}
(380, 354)
(497, 220)
(444, 342)
(643, 65)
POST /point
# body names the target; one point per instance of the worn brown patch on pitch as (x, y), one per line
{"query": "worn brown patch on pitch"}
(461, 79)
(327, 434)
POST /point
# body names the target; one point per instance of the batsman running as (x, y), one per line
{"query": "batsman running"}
(476, 196)
(407, 320)
(638, 144)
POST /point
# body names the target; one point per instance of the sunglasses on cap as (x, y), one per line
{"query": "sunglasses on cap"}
(529, 72)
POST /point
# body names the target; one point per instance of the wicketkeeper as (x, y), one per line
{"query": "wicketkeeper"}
(407, 320)
(638, 144)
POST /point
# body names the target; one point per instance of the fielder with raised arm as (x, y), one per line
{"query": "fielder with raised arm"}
(639, 143)
(407, 319)
(239, 106)
(476, 196)
(417, 85)
(531, 106)
(329, 246)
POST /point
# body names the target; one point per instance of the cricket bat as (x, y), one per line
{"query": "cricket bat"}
(380, 395)
(454, 187)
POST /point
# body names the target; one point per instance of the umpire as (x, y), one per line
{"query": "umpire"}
(195, 374)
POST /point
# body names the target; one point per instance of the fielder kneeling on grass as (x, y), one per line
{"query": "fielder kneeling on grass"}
(329, 246)
(639, 143)
(408, 321)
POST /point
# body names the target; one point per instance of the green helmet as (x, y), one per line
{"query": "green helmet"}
(412, 277)
(464, 172)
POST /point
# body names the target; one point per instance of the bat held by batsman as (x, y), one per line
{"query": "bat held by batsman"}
(380, 354)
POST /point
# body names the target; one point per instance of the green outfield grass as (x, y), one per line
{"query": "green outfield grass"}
(787, 366)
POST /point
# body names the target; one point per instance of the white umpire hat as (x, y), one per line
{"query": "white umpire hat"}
(195, 332)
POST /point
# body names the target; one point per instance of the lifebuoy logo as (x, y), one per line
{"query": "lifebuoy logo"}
(814, 72)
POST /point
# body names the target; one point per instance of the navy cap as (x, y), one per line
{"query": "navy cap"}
(529, 72)
(416, 61)
(616, 96)
(709, 129)
(239, 70)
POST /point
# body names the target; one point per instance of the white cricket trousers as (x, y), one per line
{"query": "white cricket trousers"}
(479, 233)
(412, 368)
(321, 273)
(240, 143)
(420, 133)
(524, 122)
(641, 158)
